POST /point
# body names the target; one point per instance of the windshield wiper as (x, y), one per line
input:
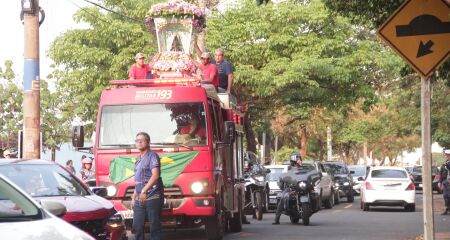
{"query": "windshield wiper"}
(171, 144)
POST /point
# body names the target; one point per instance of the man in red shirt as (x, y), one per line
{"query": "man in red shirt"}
(140, 70)
(209, 71)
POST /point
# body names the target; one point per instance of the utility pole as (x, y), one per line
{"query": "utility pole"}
(428, 223)
(329, 146)
(31, 83)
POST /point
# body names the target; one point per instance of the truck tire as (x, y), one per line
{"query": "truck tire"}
(259, 206)
(215, 225)
(306, 214)
(236, 220)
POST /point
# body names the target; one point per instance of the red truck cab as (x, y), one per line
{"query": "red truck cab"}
(201, 165)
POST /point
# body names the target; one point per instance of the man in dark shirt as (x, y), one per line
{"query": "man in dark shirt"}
(148, 196)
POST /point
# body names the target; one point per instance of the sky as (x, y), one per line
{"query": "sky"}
(58, 19)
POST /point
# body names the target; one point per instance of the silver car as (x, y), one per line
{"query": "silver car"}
(23, 218)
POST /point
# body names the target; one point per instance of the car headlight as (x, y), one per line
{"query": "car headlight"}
(259, 178)
(346, 183)
(198, 186)
(302, 184)
(336, 184)
(115, 221)
(112, 190)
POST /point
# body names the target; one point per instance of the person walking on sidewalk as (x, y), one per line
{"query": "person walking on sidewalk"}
(445, 182)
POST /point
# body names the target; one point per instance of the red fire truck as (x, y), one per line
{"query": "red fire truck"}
(202, 171)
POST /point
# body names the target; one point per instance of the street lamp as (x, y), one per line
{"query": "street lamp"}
(28, 6)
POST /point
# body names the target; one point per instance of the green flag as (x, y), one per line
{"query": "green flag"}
(121, 168)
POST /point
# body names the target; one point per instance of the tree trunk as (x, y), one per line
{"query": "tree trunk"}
(321, 151)
(303, 142)
(201, 36)
(249, 134)
(53, 154)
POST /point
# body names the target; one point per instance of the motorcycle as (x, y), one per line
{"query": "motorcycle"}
(255, 194)
(300, 199)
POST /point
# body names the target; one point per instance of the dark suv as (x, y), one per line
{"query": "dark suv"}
(416, 173)
(342, 179)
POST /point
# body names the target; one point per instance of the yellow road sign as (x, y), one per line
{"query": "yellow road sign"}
(419, 31)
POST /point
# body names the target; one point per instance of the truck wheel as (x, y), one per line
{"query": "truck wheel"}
(236, 221)
(329, 202)
(259, 207)
(350, 197)
(366, 207)
(215, 225)
(306, 214)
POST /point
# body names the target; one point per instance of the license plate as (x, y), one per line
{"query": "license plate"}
(272, 200)
(126, 214)
(420, 185)
(304, 199)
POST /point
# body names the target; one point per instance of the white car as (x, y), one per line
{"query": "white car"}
(22, 218)
(388, 186)
(274, 176)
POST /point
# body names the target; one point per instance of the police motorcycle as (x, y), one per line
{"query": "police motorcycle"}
(256, 187)
(300, 199)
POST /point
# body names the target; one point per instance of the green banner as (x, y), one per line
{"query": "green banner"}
(121, 168)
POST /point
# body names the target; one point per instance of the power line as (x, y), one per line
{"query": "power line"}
(86, 11)
(112, 11)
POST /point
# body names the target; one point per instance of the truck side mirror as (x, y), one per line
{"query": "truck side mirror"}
(229, 132)
(78, 136)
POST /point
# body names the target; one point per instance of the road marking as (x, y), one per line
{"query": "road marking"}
(348, 206)
(337, 211)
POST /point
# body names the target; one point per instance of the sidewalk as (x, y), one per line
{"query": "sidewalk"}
(438, 208)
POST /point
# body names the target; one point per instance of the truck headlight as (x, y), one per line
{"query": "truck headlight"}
(198, 186)
(112, 190)
(346, 183)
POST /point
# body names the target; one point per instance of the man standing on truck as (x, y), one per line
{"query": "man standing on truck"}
(140, 70)
(148, 196)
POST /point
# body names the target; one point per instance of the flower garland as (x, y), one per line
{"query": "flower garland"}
(174, 61)
(178, 9)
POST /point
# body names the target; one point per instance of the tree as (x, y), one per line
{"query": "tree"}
(10, 107)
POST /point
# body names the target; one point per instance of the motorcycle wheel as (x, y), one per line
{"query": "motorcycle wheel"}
(259, 207)
(306, 213)
(294, 219)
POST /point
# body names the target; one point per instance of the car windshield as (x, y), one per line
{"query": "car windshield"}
(14, 206)
(389, 173)
(306, 167)
(275, 174)
(167, 124)
(417, 170)
(41, 180)
(359, 171)
(336, 168)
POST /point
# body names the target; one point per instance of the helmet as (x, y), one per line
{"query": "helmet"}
(86, 160)
(447, 151)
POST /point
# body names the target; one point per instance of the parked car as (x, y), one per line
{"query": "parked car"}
(274, 176)
(343, 181)
(359, 173)
(22, 218)
(45, 180)
(325, 188)
(388, 186)
(417, 177)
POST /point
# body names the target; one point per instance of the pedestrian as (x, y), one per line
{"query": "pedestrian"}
(224, 69)
(86, 171)
(445, 181)
(148, 196)
(140, 70)
(69, 166)
(7, 154)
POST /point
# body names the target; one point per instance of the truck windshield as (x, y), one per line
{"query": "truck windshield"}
(166, 123)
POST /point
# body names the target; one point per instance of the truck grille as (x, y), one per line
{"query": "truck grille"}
(173, 196)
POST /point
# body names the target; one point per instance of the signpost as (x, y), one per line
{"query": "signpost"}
(419, 31)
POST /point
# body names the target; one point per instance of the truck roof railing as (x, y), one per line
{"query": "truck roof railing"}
(157, 82)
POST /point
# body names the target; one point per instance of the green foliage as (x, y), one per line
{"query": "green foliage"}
(284, 154)
(86, 59)
(10, 106)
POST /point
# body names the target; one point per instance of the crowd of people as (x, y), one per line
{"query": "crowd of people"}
(217, 72)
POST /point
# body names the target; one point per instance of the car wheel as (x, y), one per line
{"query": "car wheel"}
(410, 207)
(361, 204)
(350, 197)
(366, 207)
(337, 198)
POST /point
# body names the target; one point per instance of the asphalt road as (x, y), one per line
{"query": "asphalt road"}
(343, 221)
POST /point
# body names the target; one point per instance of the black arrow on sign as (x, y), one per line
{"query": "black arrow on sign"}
(424, 49)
